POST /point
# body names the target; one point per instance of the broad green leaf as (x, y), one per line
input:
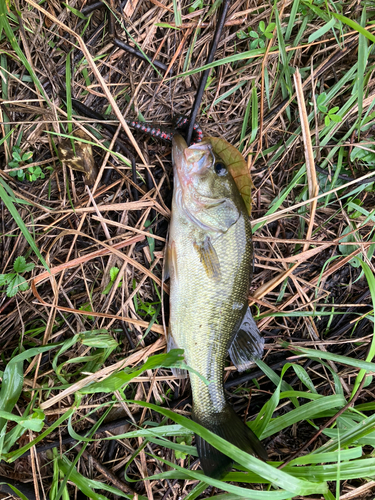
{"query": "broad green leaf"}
(11, 388)
(173, 358)
(30, 353)
(12, 287)
(14, 455)
(33, 422)
(19, 264)
(21, 284)
(113, 272)
(100, 339)
(27, 156)
(5, 279)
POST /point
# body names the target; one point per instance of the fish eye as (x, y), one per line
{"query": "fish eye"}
(220, 168)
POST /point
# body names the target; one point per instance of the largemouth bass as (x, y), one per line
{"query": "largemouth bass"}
(209, 262)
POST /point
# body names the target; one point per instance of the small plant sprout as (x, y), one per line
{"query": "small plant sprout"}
(113, 272)
(14, 281)
(21, 160)
(260, 36)
(330, 114)
(145, 308)
(184, 440)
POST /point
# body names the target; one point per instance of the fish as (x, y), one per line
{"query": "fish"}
(209, 260)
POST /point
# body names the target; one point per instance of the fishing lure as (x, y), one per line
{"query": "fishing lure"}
(160, 132)
(152, 129)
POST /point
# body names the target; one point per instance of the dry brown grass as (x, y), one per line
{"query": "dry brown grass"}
(83, 232)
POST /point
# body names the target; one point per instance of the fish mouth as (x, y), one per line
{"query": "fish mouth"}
(190, 161)
(178, 147)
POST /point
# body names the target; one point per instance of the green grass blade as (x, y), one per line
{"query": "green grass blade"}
(322, 31)
(17, 491)
(274, 476)
(5, 94)
(228, 93)
(245, 124)
(242, 56)
(370, 356)
(284, 57)
(362, 61)
(350, 436)
(344, 360)
(86, 485)
(254, 114)
(311, 410)
(4, 24)
(18, 219)
(242, 493)
(198, 490)
(354, 26)
(292, 17)
(69, 107)
(321, 458)
(177, 13)
(162, 431)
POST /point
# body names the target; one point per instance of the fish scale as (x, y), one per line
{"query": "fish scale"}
(209, 261)
(216, 321)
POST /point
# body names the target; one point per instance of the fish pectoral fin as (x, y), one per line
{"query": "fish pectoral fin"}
(218, 215)
(166, 264)
(209, 259)
(247, 344)
(172, 344)
(170, 261)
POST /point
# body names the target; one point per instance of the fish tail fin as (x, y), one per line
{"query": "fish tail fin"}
(230, 427)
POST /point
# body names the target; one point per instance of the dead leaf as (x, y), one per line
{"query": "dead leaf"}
(236, 165)
(80, 158)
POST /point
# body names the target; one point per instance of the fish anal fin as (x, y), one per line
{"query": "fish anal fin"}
(247, 344)
(229, 426)
(209, 259)
(172, 344)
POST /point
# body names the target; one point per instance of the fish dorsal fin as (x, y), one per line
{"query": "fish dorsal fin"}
(172, 344)
(208, 257)
(247, 344)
